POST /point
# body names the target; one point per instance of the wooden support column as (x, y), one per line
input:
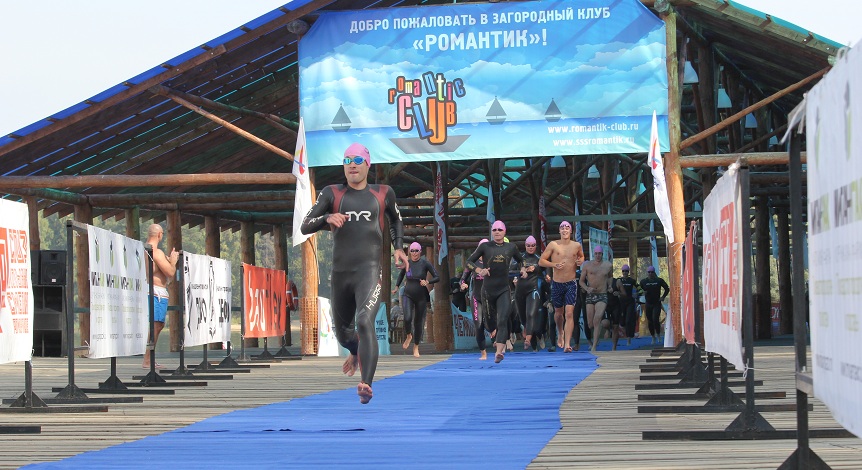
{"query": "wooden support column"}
(384, 172)
(174, 232)
(785, 289)
(430, 332)
(279, 235)
(442, 302)
(672, 170)
(84, 215)
(33, 211)
(246, 243)
(212, 245)
(308, 295)
(762, 297)
(133, 223)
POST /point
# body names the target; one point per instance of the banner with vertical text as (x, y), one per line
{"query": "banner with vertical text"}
(16, 291)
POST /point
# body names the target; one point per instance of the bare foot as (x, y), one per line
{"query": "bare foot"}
(484, 355)
(365, 393)
(509, 345)
(350, 365)
(577, 346)
(415, 350)
(560, 342)
(407, 341)
(498, 358)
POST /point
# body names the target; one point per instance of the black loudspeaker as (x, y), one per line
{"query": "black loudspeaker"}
(52, 268)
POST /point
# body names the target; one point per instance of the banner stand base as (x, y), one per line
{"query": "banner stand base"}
(813, 462)
(20, 429)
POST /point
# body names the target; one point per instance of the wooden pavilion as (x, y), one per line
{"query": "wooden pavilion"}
(200, 141)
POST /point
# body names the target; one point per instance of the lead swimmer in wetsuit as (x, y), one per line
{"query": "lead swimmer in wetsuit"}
(527, 298)
(355, 212)
(481, 320)
(416, 295)
(497, 255)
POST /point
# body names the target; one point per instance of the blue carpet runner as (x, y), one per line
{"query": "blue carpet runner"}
(458, 413)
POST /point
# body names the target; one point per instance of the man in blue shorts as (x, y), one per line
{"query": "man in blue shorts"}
(564, 255)
(164, 268)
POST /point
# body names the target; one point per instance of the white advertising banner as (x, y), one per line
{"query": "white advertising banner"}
(600, 238)
(833, 130)
(119, 309)
(722, 269)
(16, 291)
(206, 309)
(327, 344)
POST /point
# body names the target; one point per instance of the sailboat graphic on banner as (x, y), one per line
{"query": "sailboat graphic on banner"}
(496, 114)
(553, 112)
(341, 123)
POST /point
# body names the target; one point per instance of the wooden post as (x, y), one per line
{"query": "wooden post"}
(430, 332)
(247, 248)
(212, 245)
(672, 170)
(133, 223)
(84, 215)
(442, 302)
(763, 299)
(33, 210)
(310, 280)
(174, 240)
(785, 290)
(383, 173)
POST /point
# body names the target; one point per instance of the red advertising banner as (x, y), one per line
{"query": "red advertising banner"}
(264, 291)
(688, 330)
(16, 294)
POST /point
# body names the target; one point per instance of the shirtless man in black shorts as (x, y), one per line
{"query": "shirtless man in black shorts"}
(564, 255)
(354, 212)
(594, 280)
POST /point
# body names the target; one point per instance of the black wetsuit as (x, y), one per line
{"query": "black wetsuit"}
(416, 295)
(481, 319)
(527, 298)
(628, 304)
(497, 259)
(357, 247)
(653, 297)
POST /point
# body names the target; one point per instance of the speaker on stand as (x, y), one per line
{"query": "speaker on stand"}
(49, 319)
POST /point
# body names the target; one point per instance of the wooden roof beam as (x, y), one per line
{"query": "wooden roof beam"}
(87, 181)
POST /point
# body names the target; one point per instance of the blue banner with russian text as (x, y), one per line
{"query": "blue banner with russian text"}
(478, 81)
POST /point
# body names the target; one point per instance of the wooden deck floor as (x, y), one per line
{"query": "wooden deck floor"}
(601, 425)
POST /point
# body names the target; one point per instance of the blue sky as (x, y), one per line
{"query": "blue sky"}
(58, 52)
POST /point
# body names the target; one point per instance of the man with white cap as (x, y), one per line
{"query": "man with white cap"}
(354, 212)
(595, 275)
(564, 255)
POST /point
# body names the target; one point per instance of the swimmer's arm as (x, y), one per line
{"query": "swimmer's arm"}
(315, 220)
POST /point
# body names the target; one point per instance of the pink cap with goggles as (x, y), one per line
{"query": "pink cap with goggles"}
(530, 240)
(415, 246)
(498, 225)
(357, 150)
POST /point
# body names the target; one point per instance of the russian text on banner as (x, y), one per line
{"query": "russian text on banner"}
(265, 308)
(119, 290)
(833, 129)
(16, 291)
(206, 307)
(453, 82)
(722, 268)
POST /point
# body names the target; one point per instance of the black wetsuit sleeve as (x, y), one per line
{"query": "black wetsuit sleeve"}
(435, 278)
(467, 273)
(665, 288)
(316, 218)
(401, 275)
(471, 261)
(396, 225)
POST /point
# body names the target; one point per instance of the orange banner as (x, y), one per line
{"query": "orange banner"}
(264, 291)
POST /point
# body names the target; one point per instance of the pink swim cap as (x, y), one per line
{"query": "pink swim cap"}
(598, 249)
(565, 224)
(530, 240)
(415, 246)
(498, 225)
(358, 150)
(625, 267)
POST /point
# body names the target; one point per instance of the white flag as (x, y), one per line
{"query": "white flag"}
(653, 245)
(489, 214)
(439, 200)
(302, 196)
(662, 206)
